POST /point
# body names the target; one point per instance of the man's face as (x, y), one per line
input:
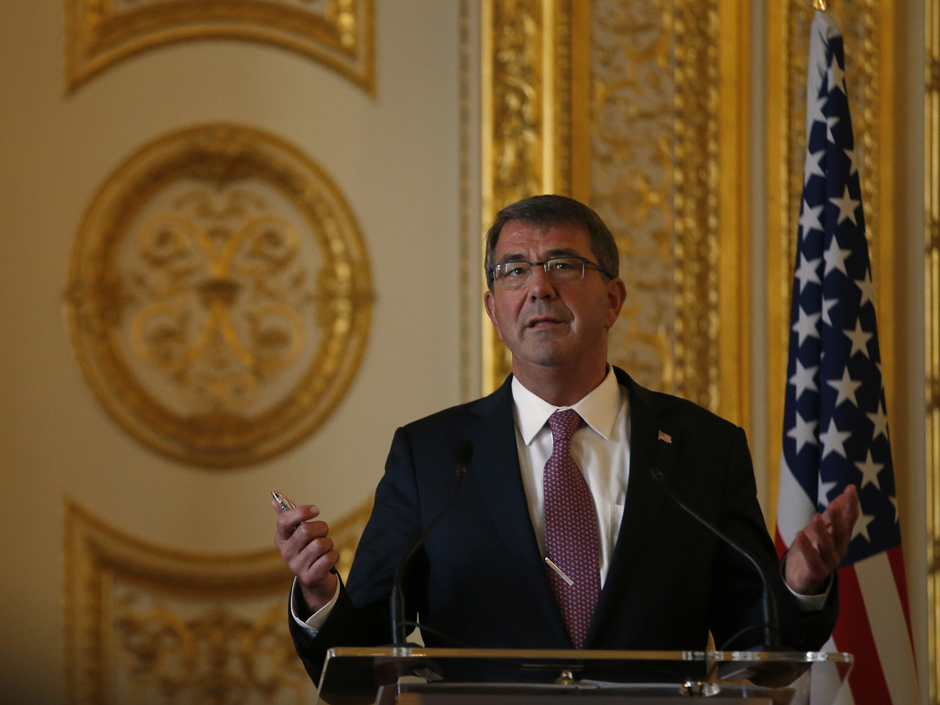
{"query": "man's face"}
(548, 324)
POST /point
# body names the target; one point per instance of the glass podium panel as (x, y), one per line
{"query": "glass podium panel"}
(422, 676)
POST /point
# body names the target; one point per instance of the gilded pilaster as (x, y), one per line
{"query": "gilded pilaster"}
(697, 213)
(932, 334)
(526, 131)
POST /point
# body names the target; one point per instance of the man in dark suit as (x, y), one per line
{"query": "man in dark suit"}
(562, 538)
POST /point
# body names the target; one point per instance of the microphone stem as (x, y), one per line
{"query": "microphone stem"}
(769, 602)
(397, 600)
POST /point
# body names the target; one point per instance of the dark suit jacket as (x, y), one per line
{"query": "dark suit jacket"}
(480, 578)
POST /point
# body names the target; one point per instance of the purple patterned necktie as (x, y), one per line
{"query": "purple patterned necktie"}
(571, 530)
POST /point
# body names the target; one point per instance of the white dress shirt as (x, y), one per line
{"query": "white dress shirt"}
(600, 447)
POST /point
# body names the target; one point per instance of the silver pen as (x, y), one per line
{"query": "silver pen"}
(283, 502)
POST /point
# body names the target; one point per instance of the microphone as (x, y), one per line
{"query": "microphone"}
(462, 453)
(771, 623)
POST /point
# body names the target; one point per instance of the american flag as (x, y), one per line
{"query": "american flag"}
(835, 421)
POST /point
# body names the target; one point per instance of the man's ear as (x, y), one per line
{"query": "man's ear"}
(616, 296)
(489, 303)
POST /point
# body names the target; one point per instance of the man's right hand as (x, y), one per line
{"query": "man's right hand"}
(308, 551)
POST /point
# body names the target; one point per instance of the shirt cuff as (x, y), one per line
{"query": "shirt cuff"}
(317, 619)
(806, 603)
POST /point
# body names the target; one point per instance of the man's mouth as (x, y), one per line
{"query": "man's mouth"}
(544, 322)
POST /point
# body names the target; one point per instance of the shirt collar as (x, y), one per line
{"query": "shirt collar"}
(599, 408)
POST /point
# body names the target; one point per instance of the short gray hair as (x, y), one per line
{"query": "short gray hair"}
(548, 210)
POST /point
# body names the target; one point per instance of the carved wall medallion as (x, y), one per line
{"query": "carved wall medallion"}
(618, 103)
(868, 28)
(145, 624)
(219, 295)
(336, 33)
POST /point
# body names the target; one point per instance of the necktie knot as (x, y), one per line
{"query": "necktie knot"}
(563, 424)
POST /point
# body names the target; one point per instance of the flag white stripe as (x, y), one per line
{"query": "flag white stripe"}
(888, 627)
(795, 506)
(824, 29)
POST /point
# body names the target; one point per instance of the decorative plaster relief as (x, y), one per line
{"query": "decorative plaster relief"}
(145, 624)
(219, 296)
(336, 33)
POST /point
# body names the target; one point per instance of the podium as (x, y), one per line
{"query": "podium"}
(422, 676)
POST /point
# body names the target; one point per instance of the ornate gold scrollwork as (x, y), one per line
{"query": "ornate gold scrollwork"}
(148, 624)
(215, 656)
(619, 103)
(654, 179)
(336, 33)
(219, 296)
(514, 114)
(274, 336)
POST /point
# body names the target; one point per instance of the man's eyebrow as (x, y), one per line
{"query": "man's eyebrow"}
(512, 257)
(550, 254)
(563, 252)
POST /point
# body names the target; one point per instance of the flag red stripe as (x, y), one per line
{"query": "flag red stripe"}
(853, 634)
(778, 542)
(896, 559)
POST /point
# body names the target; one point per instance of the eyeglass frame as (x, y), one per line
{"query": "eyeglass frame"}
(585, 263)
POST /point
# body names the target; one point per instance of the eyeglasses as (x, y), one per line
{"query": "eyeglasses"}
(560, 270)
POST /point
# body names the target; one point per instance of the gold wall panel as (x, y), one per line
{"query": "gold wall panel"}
(640, 109)
(932, 335)
(219, 295)
(526, 100)
(868, 28)
(336, 33)
(145, 624)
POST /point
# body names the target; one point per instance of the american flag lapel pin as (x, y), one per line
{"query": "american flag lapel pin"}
(663, 436)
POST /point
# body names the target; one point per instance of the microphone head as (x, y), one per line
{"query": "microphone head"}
(462, 453)
(656, 473)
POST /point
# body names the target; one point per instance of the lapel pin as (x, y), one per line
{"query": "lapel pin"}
(663, 436)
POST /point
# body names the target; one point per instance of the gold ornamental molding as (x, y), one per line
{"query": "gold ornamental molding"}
(639, 109)
(219, 295)
(336, 33)
(527, 64)
(148, 624)
(868, 29)
(932, 335)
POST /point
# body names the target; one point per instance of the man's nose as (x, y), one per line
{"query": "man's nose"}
(540, 286)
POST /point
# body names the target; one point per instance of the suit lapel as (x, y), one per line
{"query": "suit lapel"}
(645, 499)
(495, 469)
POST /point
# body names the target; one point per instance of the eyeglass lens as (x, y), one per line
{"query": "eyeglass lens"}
(511, 275)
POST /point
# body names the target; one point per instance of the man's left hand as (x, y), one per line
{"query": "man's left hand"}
(818, 549)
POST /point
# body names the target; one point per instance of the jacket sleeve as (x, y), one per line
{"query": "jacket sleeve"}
(361, 614)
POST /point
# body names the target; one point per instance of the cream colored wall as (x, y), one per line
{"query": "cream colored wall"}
(395, 157)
